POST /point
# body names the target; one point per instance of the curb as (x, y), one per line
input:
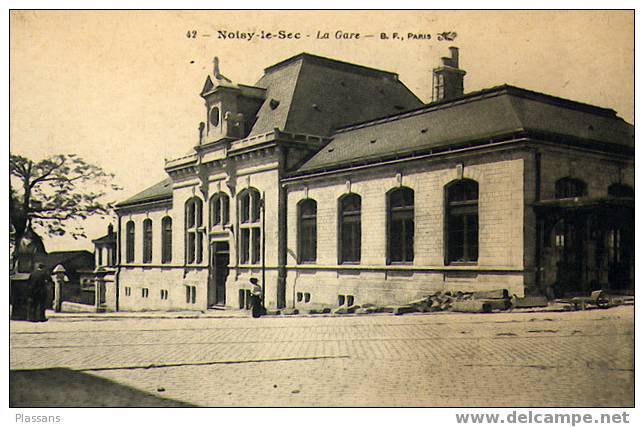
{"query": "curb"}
(242, 314)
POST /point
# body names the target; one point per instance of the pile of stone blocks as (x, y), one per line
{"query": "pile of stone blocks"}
(529, 301)
(463, 302)
(455, 301)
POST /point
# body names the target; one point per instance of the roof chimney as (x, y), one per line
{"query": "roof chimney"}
(110, 230)
(215, 67)
(448, 78)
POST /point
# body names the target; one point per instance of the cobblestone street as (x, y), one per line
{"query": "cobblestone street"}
(510, 359)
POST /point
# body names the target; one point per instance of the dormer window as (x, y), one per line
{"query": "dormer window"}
(214, 116)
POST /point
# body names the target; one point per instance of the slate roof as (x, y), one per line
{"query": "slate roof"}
(491, 112)
(159, 191)
(317, 95)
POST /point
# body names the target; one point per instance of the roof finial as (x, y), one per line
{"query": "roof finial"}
(215, 65)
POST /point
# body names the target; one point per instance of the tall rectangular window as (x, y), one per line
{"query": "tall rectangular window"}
(147, 241)
(244, 207)
(166, 240)
(194, 236)
(250, 205)
(462, 215)
(219, 209)
(400, 231)
(191, 248)
(257, 246)
(245, 246)
(350, 229)
(307, 230)
(129, 242)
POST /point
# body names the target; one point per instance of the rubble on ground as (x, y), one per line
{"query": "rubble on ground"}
(529, 301)
(476, 302)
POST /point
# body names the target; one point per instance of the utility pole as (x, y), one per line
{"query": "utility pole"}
(263, 205)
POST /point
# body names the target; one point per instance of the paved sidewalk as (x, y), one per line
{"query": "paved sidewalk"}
(71, 310)
(208, 314)
(581, 358)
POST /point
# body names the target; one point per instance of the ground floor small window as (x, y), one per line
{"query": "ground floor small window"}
(191, 294)
(145, 292)
(164, 294)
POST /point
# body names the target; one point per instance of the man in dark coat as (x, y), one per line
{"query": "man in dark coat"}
(39, 283)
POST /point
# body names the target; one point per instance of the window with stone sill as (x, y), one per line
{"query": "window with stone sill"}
(307, 230)
(400, 225)
(462, 221)
(350, 231)
(249, 208)
(193, 231)
(147, 241)
(166, 240)
(129, 242)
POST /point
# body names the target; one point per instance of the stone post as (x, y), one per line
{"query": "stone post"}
(59, 278)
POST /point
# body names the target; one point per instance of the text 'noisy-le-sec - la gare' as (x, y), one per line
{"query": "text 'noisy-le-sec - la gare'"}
(320, 35)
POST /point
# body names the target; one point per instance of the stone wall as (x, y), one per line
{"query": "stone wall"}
(507, 183)
(501, 207)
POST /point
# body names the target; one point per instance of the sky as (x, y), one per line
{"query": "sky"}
(121, 88)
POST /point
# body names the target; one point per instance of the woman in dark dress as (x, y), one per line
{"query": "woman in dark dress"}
(257, 306)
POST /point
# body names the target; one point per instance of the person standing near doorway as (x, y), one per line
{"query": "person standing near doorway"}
(257, 306)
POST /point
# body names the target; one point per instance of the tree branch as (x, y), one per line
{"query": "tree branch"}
(44, 176)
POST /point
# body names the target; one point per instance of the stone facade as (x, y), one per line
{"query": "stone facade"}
(264, 176)
(500, 176)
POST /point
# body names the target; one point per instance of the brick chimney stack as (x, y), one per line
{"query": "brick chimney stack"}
(448, 78)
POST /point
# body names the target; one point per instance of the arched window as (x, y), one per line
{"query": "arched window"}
(219, 209)
(307, 230)
(400, 225)
(147, 241)
(194, 236)
(462, 203)
(166, 240)
(249, 227)
(350, 235)
(570, 187)
(129, 241)
(621, 190)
